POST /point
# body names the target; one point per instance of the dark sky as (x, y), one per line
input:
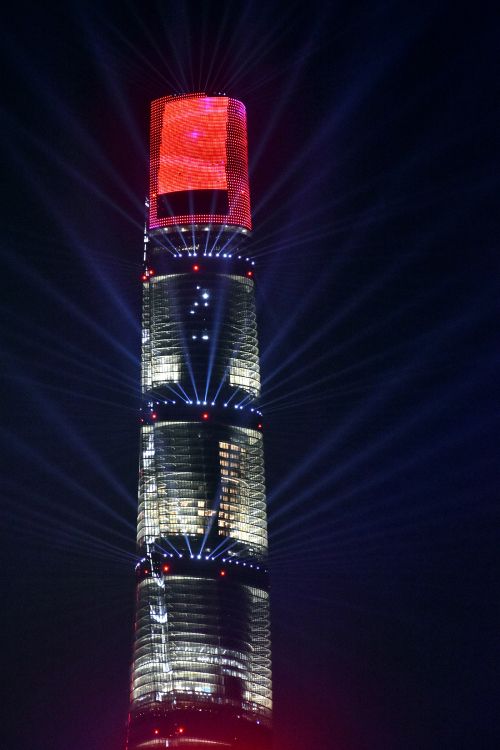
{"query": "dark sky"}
(372, 134)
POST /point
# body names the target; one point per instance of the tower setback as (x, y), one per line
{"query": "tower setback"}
(201, 672)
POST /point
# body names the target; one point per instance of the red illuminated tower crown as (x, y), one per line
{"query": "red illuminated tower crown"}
(199, 162)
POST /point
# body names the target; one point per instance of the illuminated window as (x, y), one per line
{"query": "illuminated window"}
(242, 506)
(183, 491)
(177, 651)
(169, 357)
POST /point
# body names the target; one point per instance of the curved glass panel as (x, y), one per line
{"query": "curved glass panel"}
(202, 641)
(205, 481)
(200, 334)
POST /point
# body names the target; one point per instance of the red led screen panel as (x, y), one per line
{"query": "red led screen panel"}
(199, 163)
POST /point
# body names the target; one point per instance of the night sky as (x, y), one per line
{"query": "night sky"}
(372, 134)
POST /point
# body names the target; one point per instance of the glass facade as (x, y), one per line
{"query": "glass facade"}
(199, 335)
(202, 641)
(202, 481)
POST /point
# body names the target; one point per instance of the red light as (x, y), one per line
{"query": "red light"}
(151, 272)
(196, 268)
(205, 415)
(193, 145)
(146, 571)
(156, 731)
(154, 415)
(180, 730)
(259, 426)
(144, 277)
(249, 274)
(198, 143)
(166, 568)
(223, 572)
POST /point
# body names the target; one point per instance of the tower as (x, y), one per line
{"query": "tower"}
(201, 672)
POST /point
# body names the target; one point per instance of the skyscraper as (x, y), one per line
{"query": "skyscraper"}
(201, 672)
